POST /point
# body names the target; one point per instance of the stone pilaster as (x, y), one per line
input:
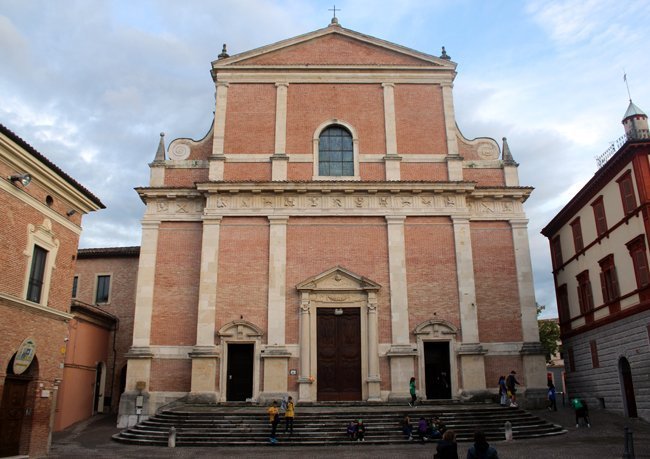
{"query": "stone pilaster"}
(276, 356)
(450, 119)
(471, 352)
(204, 355)
(279, 160)
(304, 380)
(401, 353)
(217, 159)
(534, 363)
(374, 380)
(138, 375)
(392, 161)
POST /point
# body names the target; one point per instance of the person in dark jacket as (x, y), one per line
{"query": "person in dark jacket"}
(481, 448)
(447, 447)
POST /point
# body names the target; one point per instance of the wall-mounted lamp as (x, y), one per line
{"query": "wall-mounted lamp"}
(71, 212)
(25, 179)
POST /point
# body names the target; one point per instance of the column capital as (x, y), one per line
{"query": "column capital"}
(395, 219)
(223, 84)
(281, 84)
(519, 223)
(278, 219)
(388, 85)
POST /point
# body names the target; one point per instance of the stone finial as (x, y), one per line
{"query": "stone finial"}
(224, 54)
(444, 55)
(507, 156)
(160, 154)
(334, 21)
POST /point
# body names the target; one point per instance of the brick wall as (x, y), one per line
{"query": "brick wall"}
(185, 177)
(176, 290)
(431, 270)
(423, 171)
(360, 105)
(250, 119)
(484, 177)
(495, 274)
(242, 289)
(420, 120)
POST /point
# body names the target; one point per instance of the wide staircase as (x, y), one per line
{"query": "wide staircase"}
(204, 425)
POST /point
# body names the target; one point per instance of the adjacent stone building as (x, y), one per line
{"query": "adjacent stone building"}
(599, 246)
(333, 235)
(41, 208)
(100, 333)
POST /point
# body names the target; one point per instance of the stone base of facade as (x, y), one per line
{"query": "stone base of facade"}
(477, 395)
(203, 397)
(534, 398)
(151, 403)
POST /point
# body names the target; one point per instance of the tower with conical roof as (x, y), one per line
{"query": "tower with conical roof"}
(635, 122)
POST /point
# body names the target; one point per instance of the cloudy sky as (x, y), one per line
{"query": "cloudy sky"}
(91, 84)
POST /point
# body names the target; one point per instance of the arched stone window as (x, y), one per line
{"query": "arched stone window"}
(335, 153)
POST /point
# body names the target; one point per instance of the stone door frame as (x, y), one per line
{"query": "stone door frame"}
(239, 332)
(435, 330)
(338, 288)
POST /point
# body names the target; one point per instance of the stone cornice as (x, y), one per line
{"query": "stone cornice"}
(35, 308)
(455, 199)
(352, 75)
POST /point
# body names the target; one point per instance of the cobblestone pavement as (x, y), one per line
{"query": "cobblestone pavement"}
(604, 440)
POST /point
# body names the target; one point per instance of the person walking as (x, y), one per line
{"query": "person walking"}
(552, 404)
(412, 391)
(274, 419)
(511, 384)
(447, 447)
(289, 415)
(503, 391)
(481, 449)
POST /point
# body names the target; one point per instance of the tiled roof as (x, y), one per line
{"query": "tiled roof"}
(107, 252)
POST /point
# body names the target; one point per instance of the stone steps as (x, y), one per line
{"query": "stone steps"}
(326, 425)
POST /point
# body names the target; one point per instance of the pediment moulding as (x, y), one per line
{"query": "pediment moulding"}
(337, 280)
(240, 330)
(435, 328)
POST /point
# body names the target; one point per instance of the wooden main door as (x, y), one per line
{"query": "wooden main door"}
(239, 385)
(339, 353)
(12, 410)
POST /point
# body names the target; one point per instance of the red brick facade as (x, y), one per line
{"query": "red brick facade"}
(425, 243)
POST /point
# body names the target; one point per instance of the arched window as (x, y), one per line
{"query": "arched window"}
(335, 152)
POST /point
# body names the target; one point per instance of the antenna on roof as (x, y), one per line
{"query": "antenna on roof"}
(627, 85)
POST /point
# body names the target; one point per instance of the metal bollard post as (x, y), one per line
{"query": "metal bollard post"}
(508, 429)
(171, 441)
(629, 444)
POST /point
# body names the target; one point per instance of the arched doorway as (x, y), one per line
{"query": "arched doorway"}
(627, 386)
(16, 406)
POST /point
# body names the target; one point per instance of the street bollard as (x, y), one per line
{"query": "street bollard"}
(629, 444)
(508, 429)
(171, 441)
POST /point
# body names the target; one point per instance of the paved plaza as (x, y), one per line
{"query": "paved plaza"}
(604, 440)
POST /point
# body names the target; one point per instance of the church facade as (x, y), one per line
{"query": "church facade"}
(332, 236)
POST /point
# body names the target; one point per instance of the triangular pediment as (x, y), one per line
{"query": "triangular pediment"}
(337, 279)
(334, 46)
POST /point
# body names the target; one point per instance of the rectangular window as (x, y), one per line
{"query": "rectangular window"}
(627, 192)
(572, 364)
(576, 229)
(636, 247)
(103, 289)
(608, 279)
(599, 215)
(36, 274)
(75, 283)
(585, 296)
(594, 354)
(556, 252)
(563, 303)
